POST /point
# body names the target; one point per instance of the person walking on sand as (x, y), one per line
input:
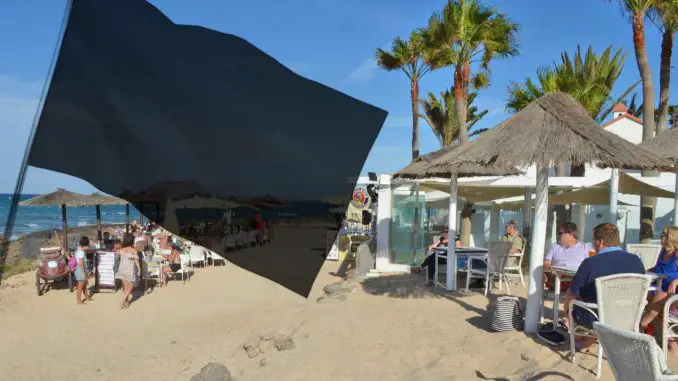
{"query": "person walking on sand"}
(81, 272)
(129, 268)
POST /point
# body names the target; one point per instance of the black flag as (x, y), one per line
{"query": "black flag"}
(160, 113)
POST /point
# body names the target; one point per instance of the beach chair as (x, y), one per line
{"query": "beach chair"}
(633, 356)
(669, 325)
(151, 270)
(494, 266)
(648, 253)
(516, 267)
(621, 302)
(197, 255)
(252, 238)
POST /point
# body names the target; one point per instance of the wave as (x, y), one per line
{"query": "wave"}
(33, 225)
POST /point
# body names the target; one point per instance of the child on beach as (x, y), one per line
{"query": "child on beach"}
(80, 271)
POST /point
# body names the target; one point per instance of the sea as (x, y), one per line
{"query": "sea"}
(31, 219)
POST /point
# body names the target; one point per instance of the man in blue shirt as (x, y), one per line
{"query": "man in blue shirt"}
(610, 259)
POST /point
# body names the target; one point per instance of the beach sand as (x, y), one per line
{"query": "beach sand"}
(387, 328)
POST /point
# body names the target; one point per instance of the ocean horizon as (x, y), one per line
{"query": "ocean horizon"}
(30, 219)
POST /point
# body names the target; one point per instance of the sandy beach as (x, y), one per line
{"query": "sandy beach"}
(387, 328)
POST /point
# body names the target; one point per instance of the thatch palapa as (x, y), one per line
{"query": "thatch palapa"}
(425, 167)
(664, 145)
(554, 129)
(59, 197)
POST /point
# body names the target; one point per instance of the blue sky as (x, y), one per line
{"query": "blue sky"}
(332, 42)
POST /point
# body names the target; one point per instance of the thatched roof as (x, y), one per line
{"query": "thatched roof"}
(60, 197)
(425, 167)
(100, 199)
(554, 129)
(664, 145)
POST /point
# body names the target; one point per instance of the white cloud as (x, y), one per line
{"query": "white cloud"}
(364, 71)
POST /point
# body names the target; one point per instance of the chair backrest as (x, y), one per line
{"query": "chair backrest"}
(632, 356)
(622, 299)
(648, 253)
(497, 253)
(655, 242)
(197, 252)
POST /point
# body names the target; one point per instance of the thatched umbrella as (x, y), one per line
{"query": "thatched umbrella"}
(427, 166)
(666, 146)
(555, 129)
(60, 197)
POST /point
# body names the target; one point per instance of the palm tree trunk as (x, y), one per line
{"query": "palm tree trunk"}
(414, 94)
(647, 203)
(665, 81)
(460, 99)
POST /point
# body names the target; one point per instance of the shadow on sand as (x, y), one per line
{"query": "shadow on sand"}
(539, 376)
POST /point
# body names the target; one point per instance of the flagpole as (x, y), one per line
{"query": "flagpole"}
(21, 177)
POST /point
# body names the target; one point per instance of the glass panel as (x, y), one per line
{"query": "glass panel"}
(403, 241)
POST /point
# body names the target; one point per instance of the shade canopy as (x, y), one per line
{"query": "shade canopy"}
(664, 145)
(554, 129)
(599, 194)
(425, 167)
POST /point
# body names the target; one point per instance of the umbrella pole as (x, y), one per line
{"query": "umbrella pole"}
(535, 289)
(415, 224)
(99, 237)
(65, 225)
(675, 203)
(614, 194)
(126, 218)
(451, 276)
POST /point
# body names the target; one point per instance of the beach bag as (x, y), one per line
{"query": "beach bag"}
(72, 263)
(508, 315)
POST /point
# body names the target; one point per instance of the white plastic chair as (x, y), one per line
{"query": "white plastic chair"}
(197, 255)
(633, 356)
(151, 270)
(214, 257)
(495, 261)
(229, 243)
(252, 238)
(184, 270)
(648, 253)
(669, 325)
(516, 268)
(621, 301)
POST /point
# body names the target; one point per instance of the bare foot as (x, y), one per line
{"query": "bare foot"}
(80, 303)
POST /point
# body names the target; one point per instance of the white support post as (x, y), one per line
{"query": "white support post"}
(675, 203)
(614, 195)
(451, 276)
(384, 223)
(535, 291)
(527, 210)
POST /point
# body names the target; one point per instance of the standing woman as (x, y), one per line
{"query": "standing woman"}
(81, 271)
(128, 269)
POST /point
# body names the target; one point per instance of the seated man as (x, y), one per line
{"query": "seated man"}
(567, 252)
(513, 235)
(429, 262)
(610, 260)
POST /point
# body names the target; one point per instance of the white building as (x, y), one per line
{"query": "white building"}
(397, 202)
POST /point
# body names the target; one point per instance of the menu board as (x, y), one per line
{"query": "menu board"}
(105, 273)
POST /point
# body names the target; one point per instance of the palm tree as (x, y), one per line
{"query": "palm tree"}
(665, 17)
(587, 77)
(441, 115)
(415, 61)
(638, 10)
(635, 108)
(468, 33)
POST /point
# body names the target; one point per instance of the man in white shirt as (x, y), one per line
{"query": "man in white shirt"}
(568, 251)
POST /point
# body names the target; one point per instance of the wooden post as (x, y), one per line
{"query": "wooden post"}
(65, 225)
(99, 236)
(127, 218)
